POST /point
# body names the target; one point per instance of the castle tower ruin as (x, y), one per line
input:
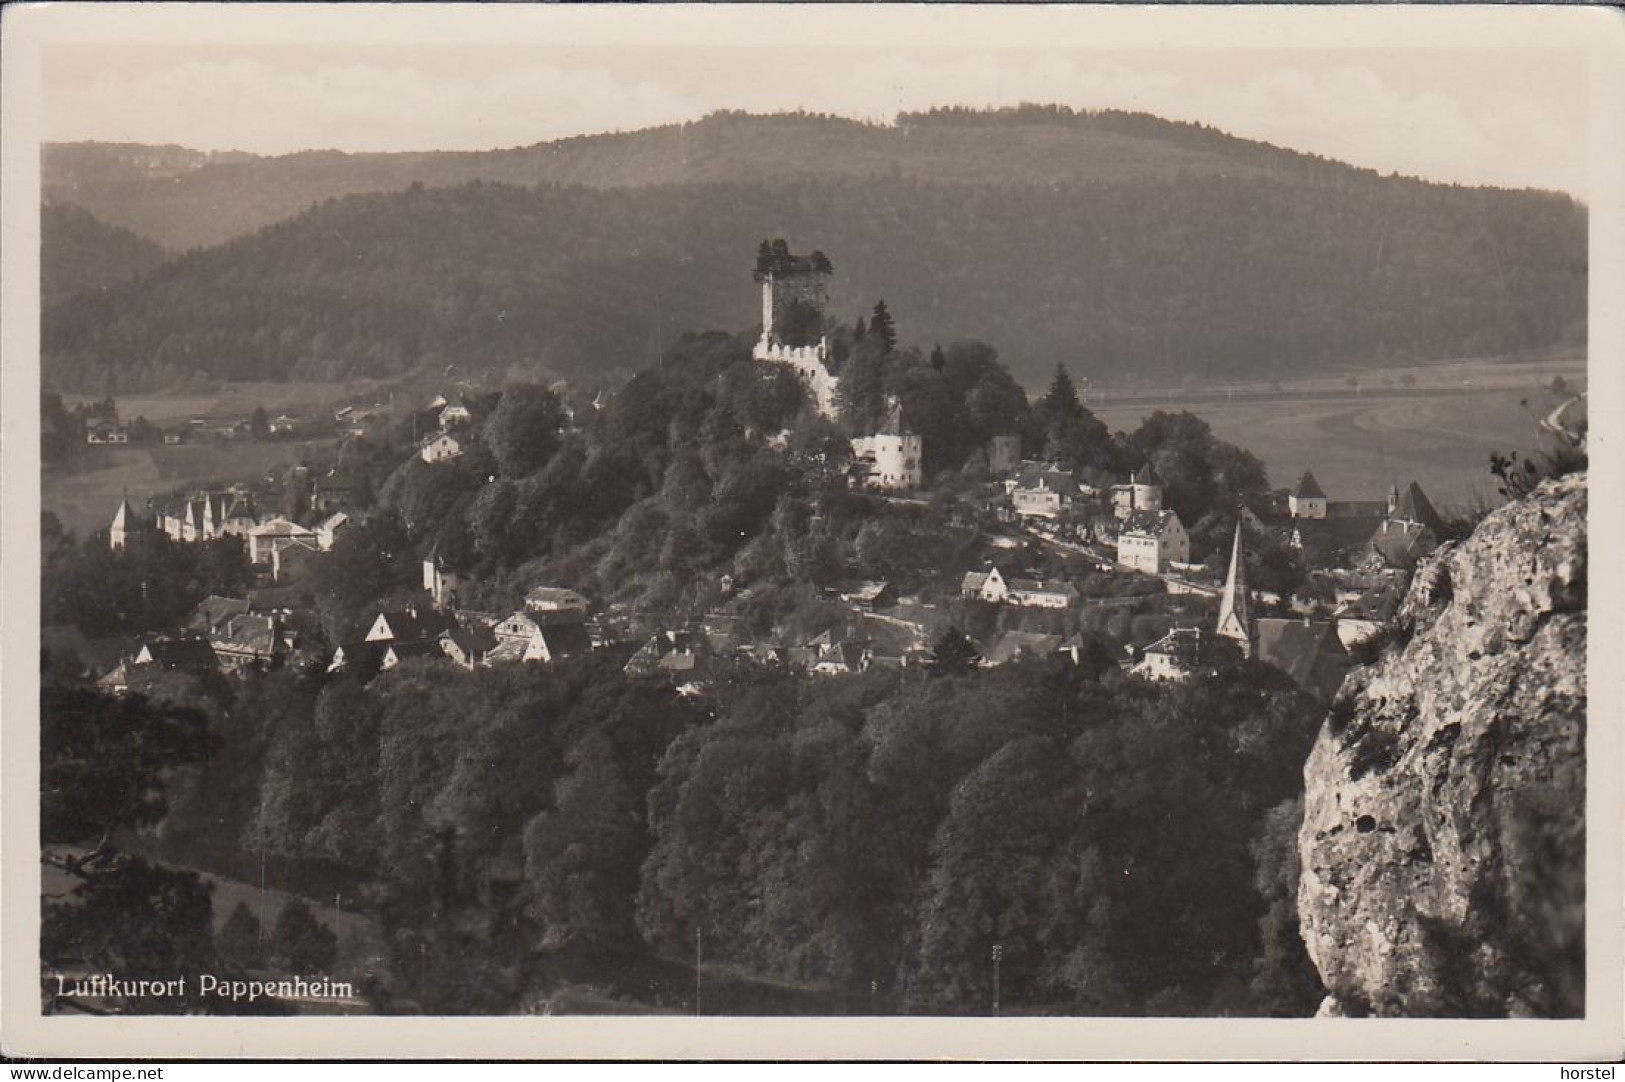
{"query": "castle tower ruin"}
(795, 294)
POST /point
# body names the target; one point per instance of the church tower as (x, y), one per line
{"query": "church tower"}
(128, 529)
(1236, 604)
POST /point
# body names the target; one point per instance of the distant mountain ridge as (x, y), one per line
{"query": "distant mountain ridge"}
(183, 198)
(1181, 275)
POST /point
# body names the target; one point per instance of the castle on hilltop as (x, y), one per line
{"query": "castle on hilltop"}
(794, 296)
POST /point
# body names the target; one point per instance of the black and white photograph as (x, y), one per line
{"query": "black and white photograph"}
(779, 512)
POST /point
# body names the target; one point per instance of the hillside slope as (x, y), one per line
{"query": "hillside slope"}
(80, 253)
(185, 199)
(1444, 838)
(1195, 275)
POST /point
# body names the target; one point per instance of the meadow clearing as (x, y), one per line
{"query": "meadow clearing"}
(85, 493)
(235, 401)
(1439, 432)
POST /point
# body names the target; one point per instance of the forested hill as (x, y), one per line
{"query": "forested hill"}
(79, 253)
(183, 198)
(1183, 273)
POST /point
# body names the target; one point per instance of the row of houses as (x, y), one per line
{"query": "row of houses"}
(272, 540)
(223, 636)
(468, 638)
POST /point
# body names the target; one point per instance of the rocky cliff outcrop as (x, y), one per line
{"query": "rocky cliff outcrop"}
(1443, 842)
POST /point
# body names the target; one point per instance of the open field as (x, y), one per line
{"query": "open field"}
(235, 401)
(1358, 445)
(85, 494)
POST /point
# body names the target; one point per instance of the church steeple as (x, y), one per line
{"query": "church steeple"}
(1235, 605)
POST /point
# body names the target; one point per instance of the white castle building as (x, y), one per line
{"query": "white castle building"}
(892, 454)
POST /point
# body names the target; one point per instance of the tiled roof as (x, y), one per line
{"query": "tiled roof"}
(405, 650)
(189, 654)
(1147, 523)
(280, 527)
(407, 627)
(566, 639)
(473, 641)
(1036, 476)
(1308, 488)
(554, 595)
(1414, 506)
(1039, 586)
(1309, 652)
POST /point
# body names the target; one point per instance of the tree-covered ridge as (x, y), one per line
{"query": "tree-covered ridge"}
(185, 199)
(80, 254)
(1182, 275)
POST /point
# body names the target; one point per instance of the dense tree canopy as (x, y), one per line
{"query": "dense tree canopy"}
(1201, 275)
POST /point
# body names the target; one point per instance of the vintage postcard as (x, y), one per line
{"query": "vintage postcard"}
(802, 531)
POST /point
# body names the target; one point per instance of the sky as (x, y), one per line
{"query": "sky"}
(1513, 117)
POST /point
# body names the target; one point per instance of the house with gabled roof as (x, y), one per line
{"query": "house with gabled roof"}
(1151, 540)
(130, 529)
(1039, 491)
(1178, 655)
(214, 612)
(440, 447)
(554, 599)
(397, 652)
(840, 658)
(1409, 532)
(1307, 499)
(469, 645)
(251, 640)
(276, 533)
(673, 652)
(177, 655)
(543, 636)
(986, 585)
(1309, 651)
(408, 625)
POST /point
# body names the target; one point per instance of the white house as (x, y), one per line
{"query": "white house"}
(535, 636)
(1039, 492)
(991, 585)
(455, 414)
(555, 599)
(440, 447)
(1175, 656)
(277, 533)
(1143, 492)
(1306, 500)
(1150, 540)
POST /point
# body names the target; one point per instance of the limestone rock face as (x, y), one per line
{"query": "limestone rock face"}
(1443, 842)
